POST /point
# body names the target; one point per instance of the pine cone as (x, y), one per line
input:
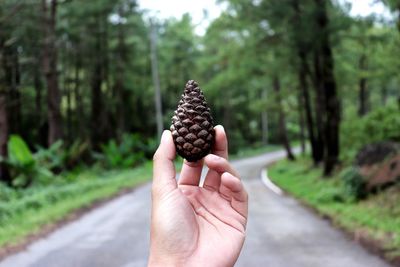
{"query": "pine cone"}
(192, 125)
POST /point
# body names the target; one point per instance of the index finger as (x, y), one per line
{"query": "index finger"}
(221, 143)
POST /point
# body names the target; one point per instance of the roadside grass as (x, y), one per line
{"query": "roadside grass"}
(25, 212)
(377, 217)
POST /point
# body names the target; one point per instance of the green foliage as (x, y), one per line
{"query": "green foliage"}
(23, 166)
(23, 212)
(378, 215)
(27, 168)
(126, 154)
(53, 157)
(18, 152)
(382, 124)
(354, 183)
(59, 157)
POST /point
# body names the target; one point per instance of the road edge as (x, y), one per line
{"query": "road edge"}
(47, 229)
(268, 183)
(366, 242)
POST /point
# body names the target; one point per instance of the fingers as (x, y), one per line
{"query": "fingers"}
(219, 165)
(220, 148)
(233, 190)
(191, 173)
(163, 165)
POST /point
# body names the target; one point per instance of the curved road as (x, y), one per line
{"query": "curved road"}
(281, 233)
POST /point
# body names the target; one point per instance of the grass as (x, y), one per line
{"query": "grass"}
(26, 212)
(377, 217)
(23, 213)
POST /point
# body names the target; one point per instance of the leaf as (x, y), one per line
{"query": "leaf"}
(18, 151)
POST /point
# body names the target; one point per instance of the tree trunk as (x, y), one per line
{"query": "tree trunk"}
(68, 93)
(398, 17)
(363, 94)
(301, 122)
(97, 107)
(156, 80)
(80, 116)
(119, 84)
(331, 101)
(4, 175)
(303, 72)
(37, 84)
(4, 131)
(315, 149)
(50, 70)
(108, 119)
(264, 119)
(282, 123)
(12, 80)
(319, 107)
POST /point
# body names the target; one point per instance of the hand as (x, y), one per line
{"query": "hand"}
(193, 225)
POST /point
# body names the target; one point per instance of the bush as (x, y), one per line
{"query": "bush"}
(382, 124)
(52, 157)
(354, 183)
(23, 166)
(59, 157)
(128, 153)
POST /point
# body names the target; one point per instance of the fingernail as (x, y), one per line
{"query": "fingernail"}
(164, 136)
(220, 126)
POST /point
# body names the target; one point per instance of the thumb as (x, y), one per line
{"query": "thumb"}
(163, 166)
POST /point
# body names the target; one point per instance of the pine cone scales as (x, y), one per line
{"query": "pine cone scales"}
(192, 125)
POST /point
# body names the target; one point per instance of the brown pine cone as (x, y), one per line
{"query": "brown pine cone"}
(192, 125)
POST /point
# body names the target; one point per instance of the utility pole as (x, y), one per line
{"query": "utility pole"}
(156, 78)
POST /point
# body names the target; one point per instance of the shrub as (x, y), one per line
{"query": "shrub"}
(128, 153)
(23, 166)
(59, 157)
(354, 183)
(52, 157)
(382, 124)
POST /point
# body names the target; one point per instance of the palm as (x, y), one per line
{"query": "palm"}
(205, 225)
(218, 225)
(198, 226)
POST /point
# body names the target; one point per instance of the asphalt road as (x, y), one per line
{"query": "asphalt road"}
(281, 233)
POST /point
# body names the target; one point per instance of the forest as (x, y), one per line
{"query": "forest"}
(90, 84)
(81, 72)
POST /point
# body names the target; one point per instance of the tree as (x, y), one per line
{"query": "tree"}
(394, 5)
(5, 79)
(283, 136)
(49, 13)
(330, 96)
(301, 43)
(4, 175)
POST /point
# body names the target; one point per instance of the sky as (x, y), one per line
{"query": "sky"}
(176, 8)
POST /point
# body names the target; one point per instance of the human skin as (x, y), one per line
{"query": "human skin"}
(193, 225)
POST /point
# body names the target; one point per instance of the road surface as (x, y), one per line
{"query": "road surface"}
(280, 233)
